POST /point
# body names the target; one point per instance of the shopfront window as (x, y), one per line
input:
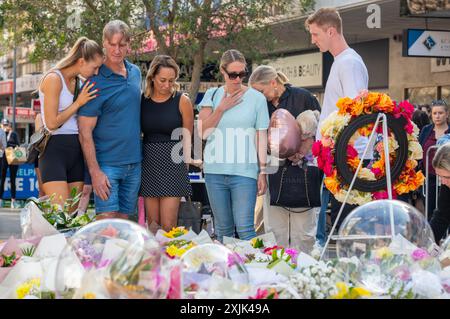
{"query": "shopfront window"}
(422, 95)
(445, 93)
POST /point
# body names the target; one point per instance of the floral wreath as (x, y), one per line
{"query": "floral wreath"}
(368, 104)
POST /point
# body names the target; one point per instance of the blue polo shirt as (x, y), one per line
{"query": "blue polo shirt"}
(117, 108)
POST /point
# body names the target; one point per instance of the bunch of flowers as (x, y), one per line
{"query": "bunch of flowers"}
(176, 232)
(31, 287)
(278, 253)
(9, 260)
(176, 248)
(314, 282)
(62, 217)
(412, 274)
(348, 109)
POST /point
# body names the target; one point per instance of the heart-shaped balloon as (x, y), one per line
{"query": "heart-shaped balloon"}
(284, 135)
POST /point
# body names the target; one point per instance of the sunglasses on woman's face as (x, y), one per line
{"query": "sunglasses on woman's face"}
(235, 75)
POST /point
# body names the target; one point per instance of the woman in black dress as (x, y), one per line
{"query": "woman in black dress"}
(166, 117)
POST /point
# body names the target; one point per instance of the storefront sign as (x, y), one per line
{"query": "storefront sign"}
(440, 65)
(36, 104)
(426, 43)
(204, 86)
(28, 83)
(26, 183)
(304, 70)
(23, 114)
(6, 87)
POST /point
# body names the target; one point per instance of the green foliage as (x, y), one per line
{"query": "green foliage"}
(191, 31)
(9, 260)
(62, 217)
(29, 251)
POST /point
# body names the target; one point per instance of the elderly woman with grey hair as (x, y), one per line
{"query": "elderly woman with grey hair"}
(297, 230)
(440, 221)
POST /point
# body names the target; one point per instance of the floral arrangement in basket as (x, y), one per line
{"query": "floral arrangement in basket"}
(325, 150)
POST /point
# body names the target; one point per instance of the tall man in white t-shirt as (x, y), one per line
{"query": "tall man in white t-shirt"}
(348, 76)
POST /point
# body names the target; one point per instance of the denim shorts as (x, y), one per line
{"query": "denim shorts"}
(125, 181)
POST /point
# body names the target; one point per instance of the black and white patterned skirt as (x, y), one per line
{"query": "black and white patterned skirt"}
(161, 175)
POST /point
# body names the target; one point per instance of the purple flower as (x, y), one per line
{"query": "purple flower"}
(293, 253)
(234, 259)
(419, 254)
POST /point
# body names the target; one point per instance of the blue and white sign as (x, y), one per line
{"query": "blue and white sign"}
(26, 183)
(426, 43)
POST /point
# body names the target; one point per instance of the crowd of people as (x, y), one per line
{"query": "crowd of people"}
(122, 142)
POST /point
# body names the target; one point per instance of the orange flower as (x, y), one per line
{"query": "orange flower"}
(366, 130)
(332, 183)
(372, 99)
(354, 162)
(385, 104)
(344, 105)
(420, 178)
(357, 108)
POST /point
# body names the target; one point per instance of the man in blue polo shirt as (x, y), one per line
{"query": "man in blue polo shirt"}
(109, 128)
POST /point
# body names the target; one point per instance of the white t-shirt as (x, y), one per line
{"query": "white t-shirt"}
(348, 76)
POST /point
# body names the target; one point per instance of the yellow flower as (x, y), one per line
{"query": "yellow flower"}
(358, 292)
(174, 251)
(415, 149)
(356, 197)
(176, 232)
(366, 174)
(342, 290)
(89, 295)
(333, 124)
(27, 287)
(383, 252)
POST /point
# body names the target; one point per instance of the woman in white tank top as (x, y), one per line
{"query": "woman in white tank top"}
(62, 164)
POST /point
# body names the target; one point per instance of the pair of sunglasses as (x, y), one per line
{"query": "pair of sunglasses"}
(234, 75)
(438, 102)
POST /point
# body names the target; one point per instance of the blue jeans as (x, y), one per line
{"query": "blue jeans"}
(125, 181)
(321, 235)
(232, 199)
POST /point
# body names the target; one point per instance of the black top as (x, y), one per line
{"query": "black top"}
(295, 100)
(12, 139)
(159, 119)
(440, 221)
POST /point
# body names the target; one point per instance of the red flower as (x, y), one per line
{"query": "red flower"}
(317, 148)
(409, 127)
(268, 250)
(351, 152)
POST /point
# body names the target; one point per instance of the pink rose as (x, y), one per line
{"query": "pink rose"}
(419, 254)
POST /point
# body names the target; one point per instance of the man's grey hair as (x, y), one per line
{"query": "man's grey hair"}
(114, 27)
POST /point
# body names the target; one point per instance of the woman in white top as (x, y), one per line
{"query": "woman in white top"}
(62, 164)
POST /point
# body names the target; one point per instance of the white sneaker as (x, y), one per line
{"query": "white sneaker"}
(13, 204)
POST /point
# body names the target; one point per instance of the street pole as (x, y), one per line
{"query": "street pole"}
(14, 89)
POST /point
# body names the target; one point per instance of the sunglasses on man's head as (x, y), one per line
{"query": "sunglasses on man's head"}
(235, 75)
(438, 102)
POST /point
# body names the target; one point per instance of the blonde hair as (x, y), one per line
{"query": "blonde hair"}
(158, 62)
(231, 56)
(441, 159)
(114, 27)
(325, 17)
(263, 74)
(83, 48)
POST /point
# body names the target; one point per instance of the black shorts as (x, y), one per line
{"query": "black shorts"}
(62, 160)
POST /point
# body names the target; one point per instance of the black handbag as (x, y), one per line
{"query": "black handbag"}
(190, 215)
(40, 138)
(295, 186)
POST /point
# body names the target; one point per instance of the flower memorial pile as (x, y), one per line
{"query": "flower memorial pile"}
(111, 259)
